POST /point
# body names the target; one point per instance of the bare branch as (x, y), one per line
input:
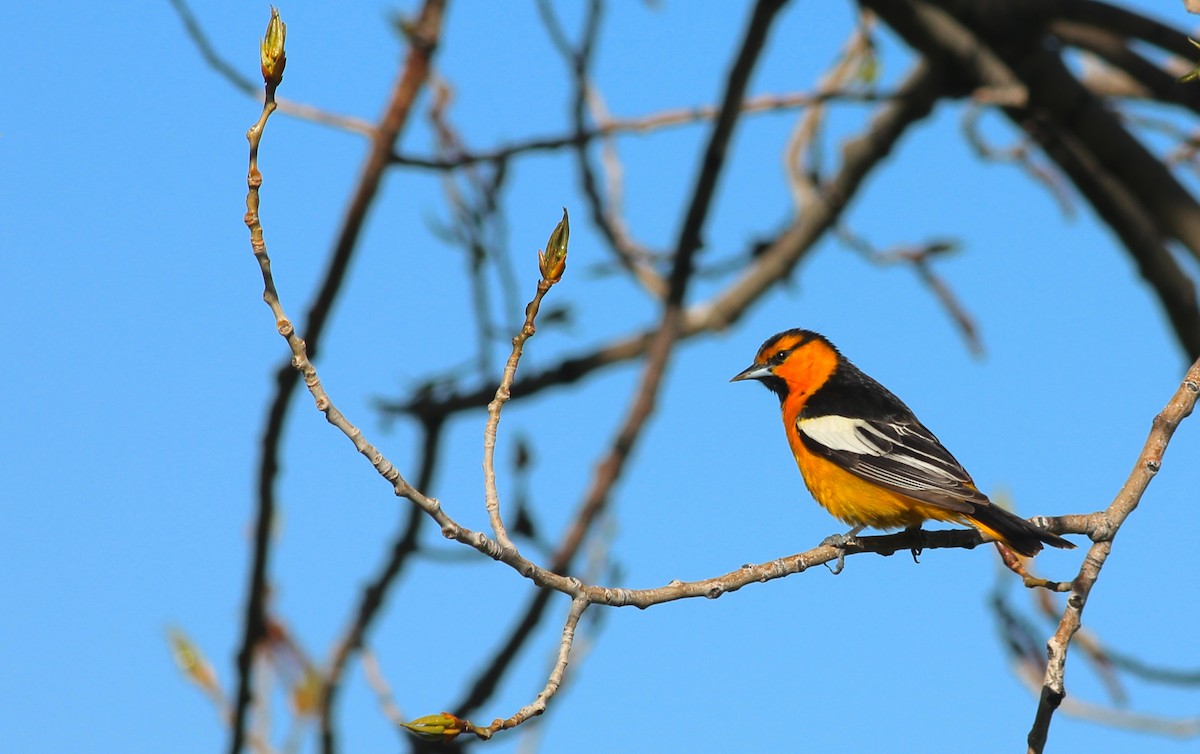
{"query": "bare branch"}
(553, 263)
(255, 628)
(765, 103)
(1135, 193)
(1110, 520)
(538, 705)
(411, 79)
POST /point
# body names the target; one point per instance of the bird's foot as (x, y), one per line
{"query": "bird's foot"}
(839, 542)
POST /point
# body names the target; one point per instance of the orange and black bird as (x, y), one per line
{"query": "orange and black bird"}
(863, 454)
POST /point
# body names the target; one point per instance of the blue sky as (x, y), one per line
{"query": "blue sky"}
(140, 358)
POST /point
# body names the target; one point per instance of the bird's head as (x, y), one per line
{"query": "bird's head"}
(794, 362)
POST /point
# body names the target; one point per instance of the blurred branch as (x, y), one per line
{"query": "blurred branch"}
(374, 595)
(1186, 727)
(1112, 18)
(1133, 191)
(918, 257)
(1111, 47)
(765, 103)
(1030, 658)
(860, 155)
(477, 225)
(1127, 213)
(379, 684)
(1151, 672)
(604, 217)
(804, 174)
(1019, 154)
(1188, 140)
(247, 86)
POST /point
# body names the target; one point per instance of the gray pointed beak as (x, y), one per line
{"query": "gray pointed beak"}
(752, 372)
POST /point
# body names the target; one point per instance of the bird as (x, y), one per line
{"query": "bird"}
(865, 456)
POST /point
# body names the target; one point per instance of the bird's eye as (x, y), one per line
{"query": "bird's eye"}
(779, 356)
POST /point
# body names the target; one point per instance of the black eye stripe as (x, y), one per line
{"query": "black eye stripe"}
(782, 354)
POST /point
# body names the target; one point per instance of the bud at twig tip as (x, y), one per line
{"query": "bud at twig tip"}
(1193, 74)
(271, 53)
(440, 727)
(553, 261)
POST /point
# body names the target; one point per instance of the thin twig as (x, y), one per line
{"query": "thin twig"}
(492, 495)
(244, 84)
(1110, 520)
(475, 212)
(254, 633)
(765, 103)
(423, 42)
(379, 684)
(1185, 727)
(553, 683)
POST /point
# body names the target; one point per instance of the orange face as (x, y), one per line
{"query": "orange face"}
(793, 364)
(806, 364)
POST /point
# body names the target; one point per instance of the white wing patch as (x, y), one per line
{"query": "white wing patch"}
(842, 433)
(860, 437)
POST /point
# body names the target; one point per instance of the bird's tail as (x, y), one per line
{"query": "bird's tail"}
(1013, 530)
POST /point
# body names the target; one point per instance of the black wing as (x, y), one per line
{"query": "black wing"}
(902, 456)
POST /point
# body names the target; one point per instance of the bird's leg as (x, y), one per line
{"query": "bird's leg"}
(915, 530)
(840, 541)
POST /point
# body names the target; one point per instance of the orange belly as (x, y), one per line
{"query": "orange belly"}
(858, 502)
